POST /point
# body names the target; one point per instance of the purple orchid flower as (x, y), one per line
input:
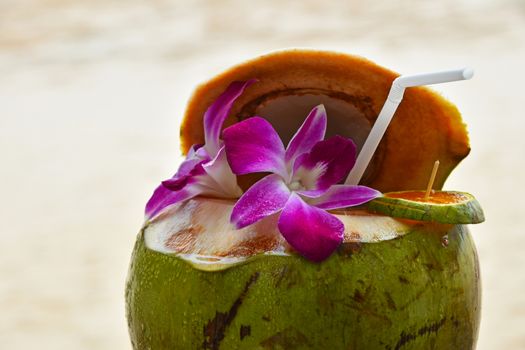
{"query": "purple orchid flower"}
(303, 183)
(205, 171)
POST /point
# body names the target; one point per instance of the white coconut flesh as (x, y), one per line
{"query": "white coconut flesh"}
(199, 230)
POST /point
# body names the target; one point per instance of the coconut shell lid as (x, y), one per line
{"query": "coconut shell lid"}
(425, 128)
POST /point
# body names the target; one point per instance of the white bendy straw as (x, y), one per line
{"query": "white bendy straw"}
(389, 108)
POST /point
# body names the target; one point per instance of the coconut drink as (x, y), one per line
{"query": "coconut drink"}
(257, 242)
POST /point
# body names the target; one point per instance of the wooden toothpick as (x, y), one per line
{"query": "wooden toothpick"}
(431, 180)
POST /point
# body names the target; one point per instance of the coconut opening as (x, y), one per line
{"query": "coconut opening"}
(348, 116)
(287, 113)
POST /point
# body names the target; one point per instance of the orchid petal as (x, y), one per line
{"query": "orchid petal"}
(253, 146)
(195, 155)
(312, 193)
(218, 112)
(313, 232)
(311, 131)
(341, 196)
(264, 198)
(219, 170)
(163, 198)
(198, 183)
(186, 168)
(181, 178)
(194, 151)
(327, 164)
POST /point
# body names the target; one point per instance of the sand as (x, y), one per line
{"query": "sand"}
(91, 94)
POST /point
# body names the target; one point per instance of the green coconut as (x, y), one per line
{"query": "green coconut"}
(391, 285)
(195, 282)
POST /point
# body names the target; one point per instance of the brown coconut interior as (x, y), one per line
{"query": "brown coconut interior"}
(425, 128)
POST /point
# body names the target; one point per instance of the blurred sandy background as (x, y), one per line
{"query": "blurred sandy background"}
(91, 94)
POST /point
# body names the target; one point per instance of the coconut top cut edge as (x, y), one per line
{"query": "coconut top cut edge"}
(199, 231)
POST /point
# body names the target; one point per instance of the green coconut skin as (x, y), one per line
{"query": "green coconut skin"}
(468, 211)
(419, 291)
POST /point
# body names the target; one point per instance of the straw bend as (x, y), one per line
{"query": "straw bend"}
(405, 81)
(389, 108)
